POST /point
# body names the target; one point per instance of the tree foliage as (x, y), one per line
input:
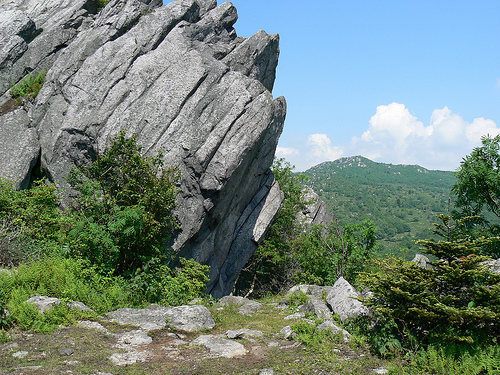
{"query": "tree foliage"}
(124, 217)
(478, 177)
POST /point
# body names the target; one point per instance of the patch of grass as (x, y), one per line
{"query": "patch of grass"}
(102, 3)
(29, 87)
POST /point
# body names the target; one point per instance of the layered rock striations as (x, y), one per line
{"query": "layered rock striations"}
(179, 78)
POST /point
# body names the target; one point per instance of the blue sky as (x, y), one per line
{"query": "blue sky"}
(414, 82)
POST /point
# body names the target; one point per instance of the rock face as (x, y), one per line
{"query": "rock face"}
(342, 300)
(315, 212)
(179, 78)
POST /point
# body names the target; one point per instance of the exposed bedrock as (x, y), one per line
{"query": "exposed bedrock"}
(180, 79)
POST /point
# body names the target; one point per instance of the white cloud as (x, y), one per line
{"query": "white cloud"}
(283, 152)
(395, 135)
(321, 147)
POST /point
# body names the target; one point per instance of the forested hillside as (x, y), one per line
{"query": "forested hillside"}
(402, 200)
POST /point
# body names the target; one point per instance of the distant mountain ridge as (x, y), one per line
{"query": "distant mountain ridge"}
(402, 200)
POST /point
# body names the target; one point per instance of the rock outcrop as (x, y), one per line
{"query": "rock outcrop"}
(315, 212)
(179, 78)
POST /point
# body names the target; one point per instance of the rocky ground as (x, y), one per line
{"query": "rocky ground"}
(232, 336)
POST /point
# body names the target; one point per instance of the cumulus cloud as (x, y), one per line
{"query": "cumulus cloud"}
(284, 152)
(321, 147)
(397, 136)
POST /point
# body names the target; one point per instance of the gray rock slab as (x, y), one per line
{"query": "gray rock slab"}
(245, 306)
(128, 358)
(87, 324)
(80, 306)
(329, 325)
(342, 300)
(134, 338)
(44, 303)
(315, 211)
(287, 333)
(317, 307)
(297, 315)
(220, 347)
(266, 371)
(19, 147)
(20, 354)
(493, 265)
(422, 261)
(149, 318)
(190, 318)
(310, 290)
(244, 333)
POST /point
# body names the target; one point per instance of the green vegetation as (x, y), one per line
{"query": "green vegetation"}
(401, 200)
(292, 253)
(124, 217)
(29, 87)
(102, 3)
(108, 251)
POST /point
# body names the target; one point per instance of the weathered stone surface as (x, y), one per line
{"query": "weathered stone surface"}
(87, 324)
(220, 347)
(493, 265)
(329, 325)
(183, 82)
(297, 315)
(44, 303)
(149, 318)
(35, 32)
(128, 358)
(315, 212)
(243, 333)
(310, 290)
(80, 306)
(287, 333)
(190, 318)
(134, 338)
(422, 261)
(19, 147)
(342, 300)
(317, 307)
(245, 306)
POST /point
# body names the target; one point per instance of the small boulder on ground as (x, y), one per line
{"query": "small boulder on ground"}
(310, 290)
(190, 318)
(329, 325)
(80, 306)
(245, 306)
(243, 333)
(287, 333)
(342, 300)
(44, 303)
(220, 347)
(317, 307)
(149, 318)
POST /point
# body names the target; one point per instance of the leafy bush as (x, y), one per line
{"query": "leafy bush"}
(456, 300)
(326, 253)
(30, 221)
(66, 279)
(29, 87)
(443, 361)
(159, 283)
(124, 217)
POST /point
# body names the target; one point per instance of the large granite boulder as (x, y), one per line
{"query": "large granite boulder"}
(180, 79)
(315, 211)
(343, 300)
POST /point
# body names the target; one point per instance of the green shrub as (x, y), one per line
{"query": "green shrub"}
(66, 279)
(102, 3)
(326, 253)
(172, 287)
(31, 222)
(124, 217)
(318, 341)
(443, 361)
(29, 87)
(456, 300)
